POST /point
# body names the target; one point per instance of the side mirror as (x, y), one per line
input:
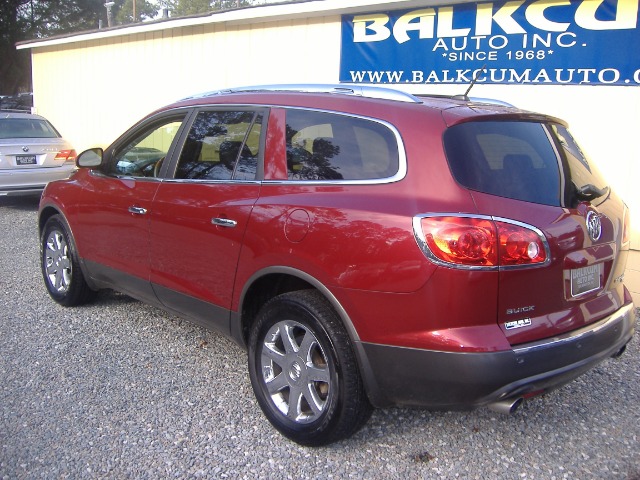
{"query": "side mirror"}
(90, 158)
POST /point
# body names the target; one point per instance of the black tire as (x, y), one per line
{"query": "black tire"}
(304, 372)
(61, 270)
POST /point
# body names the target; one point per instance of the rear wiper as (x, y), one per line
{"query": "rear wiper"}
(589, 192)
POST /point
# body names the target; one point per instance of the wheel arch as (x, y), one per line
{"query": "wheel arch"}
(272, 281)
(45, 214)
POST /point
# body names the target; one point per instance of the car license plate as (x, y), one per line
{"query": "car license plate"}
(26, 160)
(585, 279)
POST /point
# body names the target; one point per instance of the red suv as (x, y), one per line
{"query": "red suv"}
(368, 247)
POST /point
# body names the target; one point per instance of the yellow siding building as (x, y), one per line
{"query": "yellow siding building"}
(93, 85)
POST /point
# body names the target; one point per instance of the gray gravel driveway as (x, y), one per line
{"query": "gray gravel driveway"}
(119, 389)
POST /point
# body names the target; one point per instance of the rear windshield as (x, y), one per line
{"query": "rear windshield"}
(518, 160)
(26, 128)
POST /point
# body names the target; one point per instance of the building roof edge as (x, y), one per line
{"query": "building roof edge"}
(245, 15)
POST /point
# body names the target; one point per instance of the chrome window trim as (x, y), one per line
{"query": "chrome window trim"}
(206, 181)
(421, 240)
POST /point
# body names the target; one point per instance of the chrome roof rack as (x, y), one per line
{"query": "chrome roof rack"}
(369, 91)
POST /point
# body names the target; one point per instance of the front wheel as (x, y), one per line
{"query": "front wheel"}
(60, 266)
(304, 372)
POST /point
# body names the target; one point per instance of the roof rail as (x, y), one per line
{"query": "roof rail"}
(369, 91)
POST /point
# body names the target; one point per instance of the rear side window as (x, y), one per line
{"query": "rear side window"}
(509, 159)
(328, 146)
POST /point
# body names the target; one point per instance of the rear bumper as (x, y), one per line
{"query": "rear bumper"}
(32, 180)
(450, 380)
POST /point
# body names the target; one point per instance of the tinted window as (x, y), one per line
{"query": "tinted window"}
(221, 145)
(583, 171)
(327, 146)
(509, 159)
(143, 156)
(26, 128)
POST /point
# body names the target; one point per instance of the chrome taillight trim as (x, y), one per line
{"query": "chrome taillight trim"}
(421, 240)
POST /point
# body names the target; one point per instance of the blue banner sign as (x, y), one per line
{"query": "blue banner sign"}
(575, 42)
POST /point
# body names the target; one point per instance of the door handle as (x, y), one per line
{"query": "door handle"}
(137, 210)
(224, 222)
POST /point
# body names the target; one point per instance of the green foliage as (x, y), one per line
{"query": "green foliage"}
(22, 20)
(42, 18)
(181, 8)
(123, 11)
(13, 66)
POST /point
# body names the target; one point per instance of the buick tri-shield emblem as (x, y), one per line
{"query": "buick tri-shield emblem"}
(594, 226)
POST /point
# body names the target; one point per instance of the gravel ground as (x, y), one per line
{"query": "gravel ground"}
(119, 389)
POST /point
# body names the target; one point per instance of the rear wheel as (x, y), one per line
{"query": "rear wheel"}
(304, 372)
(60, 266)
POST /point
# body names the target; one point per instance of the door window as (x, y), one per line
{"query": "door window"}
(143, 156)
(221, 145)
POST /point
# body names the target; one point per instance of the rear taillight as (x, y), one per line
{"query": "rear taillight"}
(480, 241)
(464, 241)
(66, 155)
(519, 245)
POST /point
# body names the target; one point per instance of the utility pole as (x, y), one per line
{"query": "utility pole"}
(108, 6)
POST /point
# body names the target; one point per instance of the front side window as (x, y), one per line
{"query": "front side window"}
(143, 156)
(505, 158)
(221, 145)
(328, 146)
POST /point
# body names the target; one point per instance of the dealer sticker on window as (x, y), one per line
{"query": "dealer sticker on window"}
(585, 279)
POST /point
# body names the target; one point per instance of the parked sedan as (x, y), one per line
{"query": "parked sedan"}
(32, 154)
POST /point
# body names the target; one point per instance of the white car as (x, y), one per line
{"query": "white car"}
(32, 153)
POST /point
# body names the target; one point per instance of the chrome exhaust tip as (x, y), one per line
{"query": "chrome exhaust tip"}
(507, 406)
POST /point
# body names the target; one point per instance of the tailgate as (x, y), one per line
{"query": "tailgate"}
(532, 171)
(581, 284)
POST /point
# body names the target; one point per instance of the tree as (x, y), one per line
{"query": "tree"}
(13, 67)
(32, 19)
(124, 11)
(44, 18)
(181, 8)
